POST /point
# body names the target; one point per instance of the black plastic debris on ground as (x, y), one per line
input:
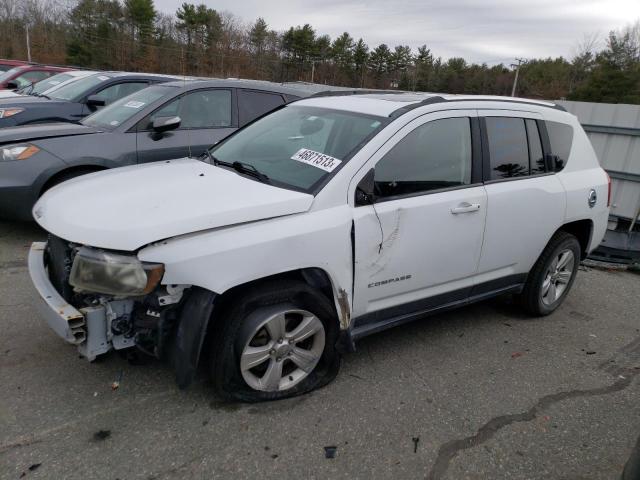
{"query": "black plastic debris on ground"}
(31, 469)
(415, 441)
(330, 452)
(101, 435)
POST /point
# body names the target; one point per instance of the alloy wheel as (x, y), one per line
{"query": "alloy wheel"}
(557, 277)
(283, 350)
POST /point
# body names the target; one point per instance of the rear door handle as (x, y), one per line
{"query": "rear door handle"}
(465, 207)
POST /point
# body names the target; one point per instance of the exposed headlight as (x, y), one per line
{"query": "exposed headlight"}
(10, 112)
(18, 152)
(113, 273)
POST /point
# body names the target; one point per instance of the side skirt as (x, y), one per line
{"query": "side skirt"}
(391, 317)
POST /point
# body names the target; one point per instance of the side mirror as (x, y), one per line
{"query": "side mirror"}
(164, 124)
(95, 101)
(365, 190)
(12, 85)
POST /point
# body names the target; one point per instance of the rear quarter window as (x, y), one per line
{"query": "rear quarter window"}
(254, 104)
(560, 139)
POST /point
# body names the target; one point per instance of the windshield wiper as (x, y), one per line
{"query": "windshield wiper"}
(249, 169)
(240, 167)
(41, 95)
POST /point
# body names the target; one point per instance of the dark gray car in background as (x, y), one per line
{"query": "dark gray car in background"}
(73, 102)
(170, 120)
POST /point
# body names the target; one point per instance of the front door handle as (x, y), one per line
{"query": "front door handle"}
(465, 207)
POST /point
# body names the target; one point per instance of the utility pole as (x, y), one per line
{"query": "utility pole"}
(28, 44)
(313, 69)
(515, 80)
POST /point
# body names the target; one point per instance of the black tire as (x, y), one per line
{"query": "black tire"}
(531, 297)
(234, 326)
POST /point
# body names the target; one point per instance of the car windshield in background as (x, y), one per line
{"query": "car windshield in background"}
(113, 115)
(49, 83)
(299, 146)
(74, 91)
(10, 73)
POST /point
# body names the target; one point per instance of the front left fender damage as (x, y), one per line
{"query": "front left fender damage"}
(190, 334)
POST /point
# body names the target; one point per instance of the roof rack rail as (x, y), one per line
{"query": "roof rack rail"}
(438, 99)
(339, 93)
(412, 106)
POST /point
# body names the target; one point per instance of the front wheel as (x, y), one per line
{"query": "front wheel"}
(276, 342)
(552, 276)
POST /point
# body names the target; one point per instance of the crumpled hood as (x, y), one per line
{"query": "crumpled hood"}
(43, 130)
(127, 208)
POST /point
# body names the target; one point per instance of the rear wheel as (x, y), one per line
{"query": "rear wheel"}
(276, 342)
(553, 275)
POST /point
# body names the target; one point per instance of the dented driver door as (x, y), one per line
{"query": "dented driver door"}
(418, 246)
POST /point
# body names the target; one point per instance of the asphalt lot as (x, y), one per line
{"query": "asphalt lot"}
(490, 394)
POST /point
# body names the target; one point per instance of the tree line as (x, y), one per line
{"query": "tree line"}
(201, 41)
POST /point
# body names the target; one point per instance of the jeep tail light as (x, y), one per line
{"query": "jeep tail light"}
(609, 190)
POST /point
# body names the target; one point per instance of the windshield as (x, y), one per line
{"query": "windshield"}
(10, 73)
(299, 146)
(112, 116)
(74, 91)
(51, 82)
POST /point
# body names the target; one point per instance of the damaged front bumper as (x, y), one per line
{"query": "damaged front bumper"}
(87, 328)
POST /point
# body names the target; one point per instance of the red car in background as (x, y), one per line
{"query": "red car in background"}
(9, 64)
(24, 75)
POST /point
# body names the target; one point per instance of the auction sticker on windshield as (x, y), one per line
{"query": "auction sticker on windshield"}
(134, 104)
(316, 159)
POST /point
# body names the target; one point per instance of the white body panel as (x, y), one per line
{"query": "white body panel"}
(423, 239)
(522, 216)
(127, 208)
(417, 236)
(583, 173)
(220, 259)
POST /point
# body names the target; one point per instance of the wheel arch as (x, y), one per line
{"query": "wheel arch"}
(315, 277)
(82, 169)
(583, 231)
(203, 310)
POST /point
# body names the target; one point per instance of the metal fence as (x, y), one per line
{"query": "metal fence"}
(614, 131)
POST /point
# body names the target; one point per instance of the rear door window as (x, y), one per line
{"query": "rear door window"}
(536, 156)
(120, 90)
(253, 104)
(508, 148)
(560, 138)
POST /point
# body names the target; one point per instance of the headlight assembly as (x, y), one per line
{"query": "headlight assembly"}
(10, 112)
(113, 273)
(18, 152)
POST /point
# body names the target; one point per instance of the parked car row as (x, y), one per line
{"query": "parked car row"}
(165, 121)
(20, 76)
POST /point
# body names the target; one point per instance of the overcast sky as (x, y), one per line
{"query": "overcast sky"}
(489, 31)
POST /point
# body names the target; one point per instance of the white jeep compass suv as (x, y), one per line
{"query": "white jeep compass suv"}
(329, 219)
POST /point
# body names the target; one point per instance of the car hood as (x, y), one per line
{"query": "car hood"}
(43, 130)
(25, 100)
(127, 208)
